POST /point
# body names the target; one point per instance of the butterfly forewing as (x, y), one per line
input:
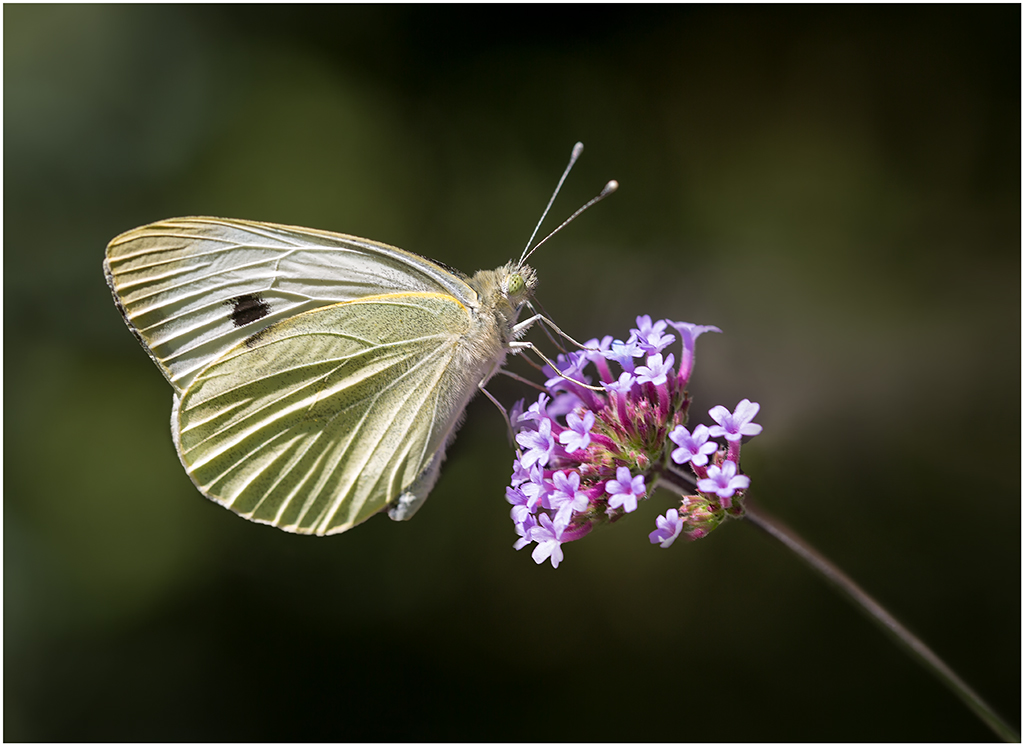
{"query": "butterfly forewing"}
(192, 289)
(321, 420)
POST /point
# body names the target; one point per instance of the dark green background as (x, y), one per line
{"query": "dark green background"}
(837, 188)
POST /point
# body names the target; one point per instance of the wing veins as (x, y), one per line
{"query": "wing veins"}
(126, 284)
(250, 431)
(239, 463)
(389, 347)
(201, 278)
(300, 451)
(304, 449)
(333, 509)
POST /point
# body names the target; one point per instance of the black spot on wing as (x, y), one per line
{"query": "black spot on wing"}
(247, 309)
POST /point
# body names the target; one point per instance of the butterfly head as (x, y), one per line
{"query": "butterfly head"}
(503, 291)
(518, 282)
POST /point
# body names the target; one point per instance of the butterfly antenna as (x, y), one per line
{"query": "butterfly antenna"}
(609, 188)
(577, 150)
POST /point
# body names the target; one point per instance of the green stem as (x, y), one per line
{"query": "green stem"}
(679, 483)
(924, 655)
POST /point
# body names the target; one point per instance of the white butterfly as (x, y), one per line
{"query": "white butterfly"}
(318, 377)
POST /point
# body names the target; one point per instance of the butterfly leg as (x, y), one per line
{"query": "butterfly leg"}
(532, 347)
(544, 327)
(522, 326)
(504, 414)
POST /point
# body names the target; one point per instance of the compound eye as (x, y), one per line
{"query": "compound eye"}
(516, 284)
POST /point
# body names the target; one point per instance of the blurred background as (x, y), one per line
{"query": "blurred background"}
(837, 188)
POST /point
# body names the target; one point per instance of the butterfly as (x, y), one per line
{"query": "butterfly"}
(318, 377)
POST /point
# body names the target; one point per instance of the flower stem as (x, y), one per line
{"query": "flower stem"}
(884, 619)
(677, 481)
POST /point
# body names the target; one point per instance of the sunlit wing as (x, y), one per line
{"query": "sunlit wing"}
(322, 420)
(193, 288)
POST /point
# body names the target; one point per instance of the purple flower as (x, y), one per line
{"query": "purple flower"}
(688, 334)
(624, 352)
(536, 490)
(656, 371)
(621, 390)
(598, 348)
(536, 412)
(670, 526)
(539, 444)
(519, 501)
(564, 403)
(693, 448)
(577, 436)
(644, 327)
(548, 536)
(623, 386)
(625, 489)
(569, 366)
(566, 498)
(734, 425)
(516, 413)
(524, 528)
(519, 474)
(583, 455)
(724, 481)
(651, 337)
(598, 355)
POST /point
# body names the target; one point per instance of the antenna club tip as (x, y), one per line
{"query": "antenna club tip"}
(610, 187)
(577, 149)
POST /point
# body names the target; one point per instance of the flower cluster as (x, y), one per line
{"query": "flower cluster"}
(589, 454)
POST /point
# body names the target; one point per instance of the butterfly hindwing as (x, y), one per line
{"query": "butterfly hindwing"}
(320, 421)
(193, 288)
